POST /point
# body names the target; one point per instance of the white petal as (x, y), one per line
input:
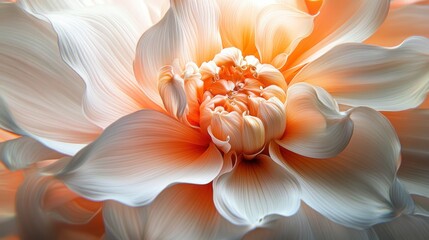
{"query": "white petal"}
(140, 155)
(352, 188)
(255, 189)
(32, 221)
(188, 31)
(314, 126)
(22, 152)
(390, 79)
(40, 95)
(182, 211)
(279, 29)
(253, 135)
(172, 90)
(413, 131)
(123, 222)
(356, 21)
(400, 24)
(308, 224)
(404, 227)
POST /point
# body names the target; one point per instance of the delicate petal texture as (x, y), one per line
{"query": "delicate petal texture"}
(67, 207)
(182, 211)
(187, 211)
(382, 78)
(355, 22)
(413, 131)
(9, 182)
(314, 127)
(45, 206)
(308, 224)
(123, 222)
(404, 227)
(400, 24)
(98, 41)
(352, 188)
(188, 32)
(279, 29)
(40, 95)
(421, 205)
(140, 155)
(24, 151)
(255, 189)
(172, 90)
(32, 221)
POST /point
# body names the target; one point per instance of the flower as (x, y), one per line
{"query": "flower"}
(213, 119)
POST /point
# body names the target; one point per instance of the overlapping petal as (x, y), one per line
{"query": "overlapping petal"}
(357, 20)
(182, 211)
(140, 155)
(413, 131)
(255, 189)
(24, 151)
(390, 79)
(400, 24)
(187, 32)
(98, 39)
(315, 127)
(353, 188)
(308, 224)
(35, 80)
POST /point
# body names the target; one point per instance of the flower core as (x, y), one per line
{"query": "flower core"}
(237, 100)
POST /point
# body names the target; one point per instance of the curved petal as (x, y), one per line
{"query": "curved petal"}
(188, 32)
(404, 227)
(413, 131)
(45, 100)
(400, 24)
(24, 151)
(354, 187)
(255, 189)
(98, 41)
(123, 222)
(314, 126)
(140, 155)
(308, 224)
(391, 79)
(182, 211)
(356, 21)
(42, 201)
(279, 29)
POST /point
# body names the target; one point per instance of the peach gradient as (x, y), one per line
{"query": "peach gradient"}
(214, 119)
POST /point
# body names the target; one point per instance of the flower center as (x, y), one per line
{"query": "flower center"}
(238, 101)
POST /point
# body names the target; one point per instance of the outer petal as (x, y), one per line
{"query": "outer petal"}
(188, 32)
(413, 131)
(40, 95)
(363, 75)
(356, 21)
(354, 187)
(140, 155)
(22, 152)
(308, 224)
(314, 127)
(404, 227)
(400, 24)
(279, 29)
(41, 202)
(255, 189)
(182, 211)
(98, 41)
(9, 182)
